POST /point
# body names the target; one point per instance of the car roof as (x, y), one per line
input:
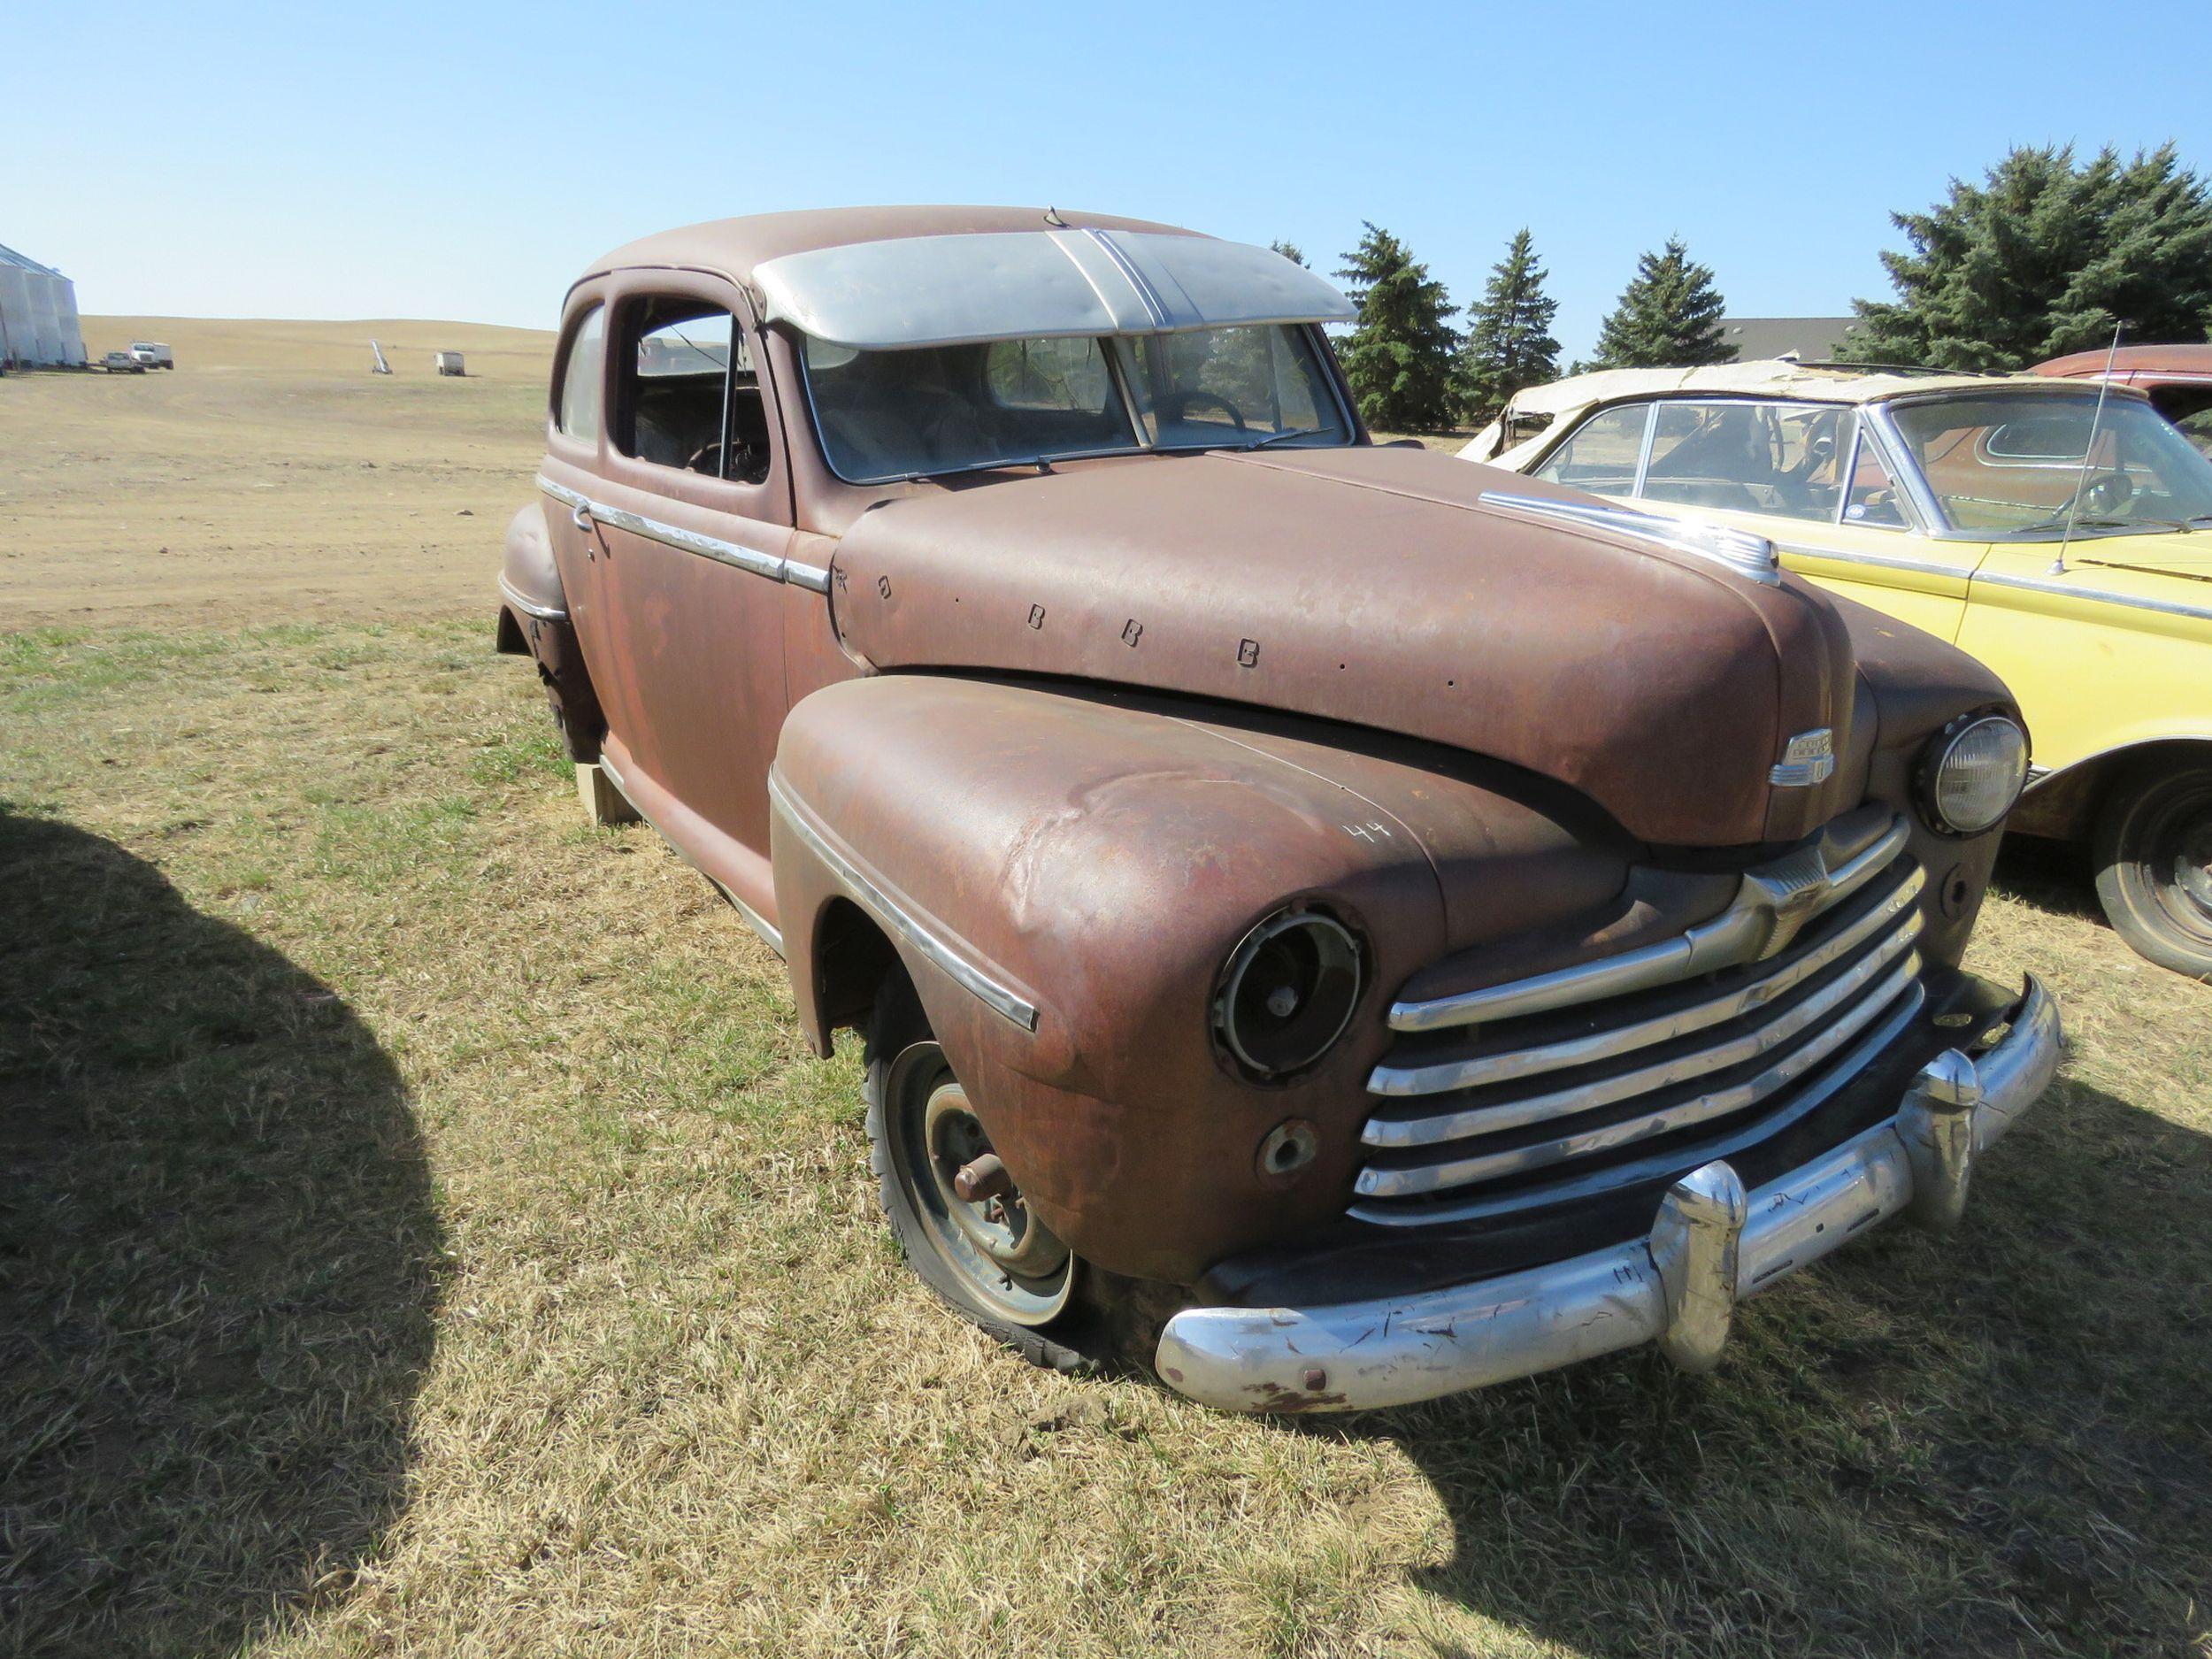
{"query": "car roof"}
(734, 247)
(1772, 377)
(2171, 360)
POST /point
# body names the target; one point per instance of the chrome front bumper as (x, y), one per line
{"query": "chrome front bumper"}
(1711, 1246)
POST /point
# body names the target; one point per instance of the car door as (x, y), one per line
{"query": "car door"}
(694, 508)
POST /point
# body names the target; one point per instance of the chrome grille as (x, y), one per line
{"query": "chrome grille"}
(1563, 1098)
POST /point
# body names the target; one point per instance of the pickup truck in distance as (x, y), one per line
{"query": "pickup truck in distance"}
(1338, 923)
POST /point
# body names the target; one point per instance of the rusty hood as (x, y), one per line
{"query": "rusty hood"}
(1372, 586)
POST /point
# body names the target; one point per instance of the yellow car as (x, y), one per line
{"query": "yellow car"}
(1977, 508)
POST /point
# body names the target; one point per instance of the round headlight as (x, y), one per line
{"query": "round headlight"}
(1288, 992)
(1973, 773)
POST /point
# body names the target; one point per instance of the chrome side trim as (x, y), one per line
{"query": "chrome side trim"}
(1670, 1288)
(1741, 550)
(2097, 595)
(890, 913)
(1397, 1082)
(769, 935)
(529, 607)
(1878, 561)
(1432, 1178)
(734, 554)
(1771, 900)
(1605, 1180)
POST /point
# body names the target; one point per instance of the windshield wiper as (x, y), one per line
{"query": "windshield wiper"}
(1283, 436)
(1004, 464)
(2059, 523)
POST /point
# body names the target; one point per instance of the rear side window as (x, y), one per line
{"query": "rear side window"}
(576, 414)
(1750, 457)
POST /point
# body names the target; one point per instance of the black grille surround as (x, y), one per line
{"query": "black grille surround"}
(1521, 1116)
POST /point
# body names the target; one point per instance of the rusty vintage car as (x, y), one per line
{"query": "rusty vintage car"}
(1340, 923)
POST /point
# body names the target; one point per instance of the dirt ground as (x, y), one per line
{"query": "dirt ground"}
(269, 476)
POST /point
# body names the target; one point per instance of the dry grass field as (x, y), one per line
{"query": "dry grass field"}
(422, 1231)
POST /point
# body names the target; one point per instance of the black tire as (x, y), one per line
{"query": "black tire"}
(2154, 859)
(1101, 1320)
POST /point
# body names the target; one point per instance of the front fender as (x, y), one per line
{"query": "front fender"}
(1064, 874)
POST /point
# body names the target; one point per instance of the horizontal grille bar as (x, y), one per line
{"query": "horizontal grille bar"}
(1581, 1185)
(1375, 1182)
(1442, 1076)
(1736, 935)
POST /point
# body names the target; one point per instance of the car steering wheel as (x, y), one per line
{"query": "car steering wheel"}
(2107, 492)
(1182, 401)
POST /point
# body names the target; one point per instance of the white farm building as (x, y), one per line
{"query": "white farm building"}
(38, 314)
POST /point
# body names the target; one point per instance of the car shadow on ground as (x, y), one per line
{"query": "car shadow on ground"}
(2053, 876)
(1998, 1442)
(218, 1266)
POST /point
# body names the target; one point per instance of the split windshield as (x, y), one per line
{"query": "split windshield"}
(2014, 465)
(921, 410)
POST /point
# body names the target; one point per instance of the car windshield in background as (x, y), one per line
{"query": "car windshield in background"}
(2014, 465)
(921, 411)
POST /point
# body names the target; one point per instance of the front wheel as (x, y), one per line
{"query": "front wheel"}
(2154, 855)
(958, 1212)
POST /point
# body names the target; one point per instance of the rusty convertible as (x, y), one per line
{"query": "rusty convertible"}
(1338, 923)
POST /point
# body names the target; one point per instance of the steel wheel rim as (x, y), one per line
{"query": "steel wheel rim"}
(2178, 867)
(1012, 1268)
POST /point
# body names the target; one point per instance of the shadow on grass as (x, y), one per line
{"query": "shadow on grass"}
(1996, 1442)
(2053, 876)
(218, 1263)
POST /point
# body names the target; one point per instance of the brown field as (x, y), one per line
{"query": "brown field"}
(422, 1231)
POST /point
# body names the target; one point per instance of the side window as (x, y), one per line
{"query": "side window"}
(577, 416)
(689, 397)
(1873, 497)
(1601, 454)
(1746, 455)
(1067, 375)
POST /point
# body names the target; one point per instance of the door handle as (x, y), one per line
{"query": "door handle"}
(580, 515)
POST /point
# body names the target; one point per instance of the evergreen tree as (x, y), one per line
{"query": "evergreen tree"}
(1668, 318)
(2044, 258)
(1290, 250)
(1398, 356)
(1509, 342)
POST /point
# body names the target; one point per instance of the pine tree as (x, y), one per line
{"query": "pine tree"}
(1509, 342)
(1668, 318)
(1398, 356)
(1290, 250)
(2044, 258)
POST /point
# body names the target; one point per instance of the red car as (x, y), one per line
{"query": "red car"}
(2177, 378)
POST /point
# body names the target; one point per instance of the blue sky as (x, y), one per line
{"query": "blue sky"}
(465, 161)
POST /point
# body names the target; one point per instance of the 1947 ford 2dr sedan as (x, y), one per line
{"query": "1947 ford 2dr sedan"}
(1344, 925)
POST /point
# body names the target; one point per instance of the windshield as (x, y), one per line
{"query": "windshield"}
(2014, 465)
(927, 410)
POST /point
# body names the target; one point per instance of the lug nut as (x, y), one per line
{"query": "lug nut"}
(985, 1178)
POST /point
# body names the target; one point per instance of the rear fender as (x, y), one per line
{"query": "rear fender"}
(534, 621)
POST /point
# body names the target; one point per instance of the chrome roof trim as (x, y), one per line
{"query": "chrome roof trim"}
(1741, 550)
(890, 913)
(1783, 896)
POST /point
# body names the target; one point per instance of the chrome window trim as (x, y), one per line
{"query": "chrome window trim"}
(1655, 1167)
(890, 913)
(1746, 552)
(529, 607)
(1736, 936)
(750, 560)
(1904, 468)
(1401, 1082)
